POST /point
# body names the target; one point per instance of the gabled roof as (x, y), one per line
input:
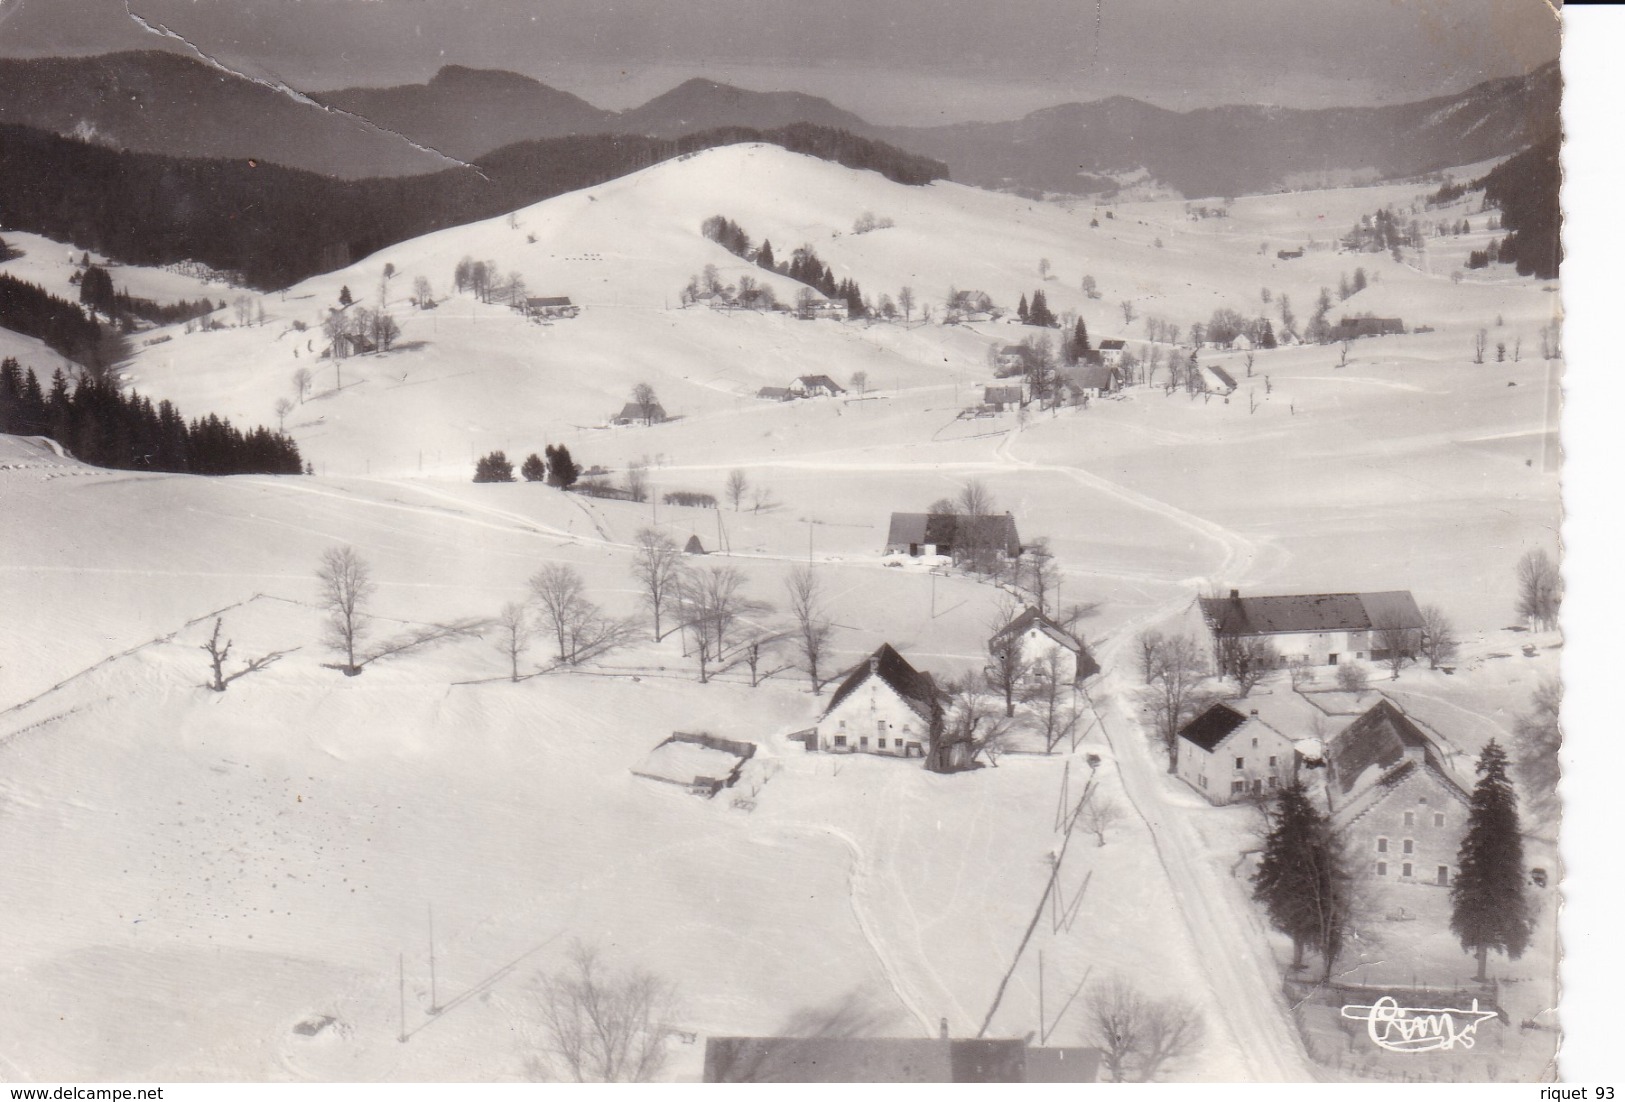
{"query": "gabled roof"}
(1223, 376)
(546, 302)
(635, 411)
(1092, 374)
(777, 393)
(916, 688)
(1112, 344)
(812, 381)
(1236, 615)
(941, 528)
(1380, 737)
(1212, 726)
(1031, 618)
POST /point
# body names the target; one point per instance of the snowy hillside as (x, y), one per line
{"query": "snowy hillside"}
(288, 837)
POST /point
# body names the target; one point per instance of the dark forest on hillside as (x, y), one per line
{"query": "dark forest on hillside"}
(107, 427)
(1528, 189)
(275, 226)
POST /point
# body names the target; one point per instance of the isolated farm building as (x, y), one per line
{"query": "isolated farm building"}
(1036, 637)
(1004, 394)
(1093, 379)
(893, 1060)
(816, 386)
(636, 413)
(916, 534)
(1227, 756)
(827, 309)
(775, 393)
(550, 307)
(1393, 799)
(1111, 352)
(885, 706)
(1351, 328)
(1289, 254)
(701, 763)
(1241, 342)
(1216, 379)
(1319, 628)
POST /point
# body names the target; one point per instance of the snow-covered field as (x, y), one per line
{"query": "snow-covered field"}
(192, 874)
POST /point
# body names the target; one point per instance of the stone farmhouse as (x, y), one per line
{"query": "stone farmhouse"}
(884, 706)
(816, 386)
(916, 534)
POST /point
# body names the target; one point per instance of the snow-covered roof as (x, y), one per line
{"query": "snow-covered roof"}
(917, 689)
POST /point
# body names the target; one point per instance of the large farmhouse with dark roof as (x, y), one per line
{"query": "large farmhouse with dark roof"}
(1319, 628)
(816, 386)
(1394, 801)
(884, 706)
(917, 534)
(1227, 756)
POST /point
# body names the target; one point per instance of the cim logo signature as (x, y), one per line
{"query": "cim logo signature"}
(1418, 1029)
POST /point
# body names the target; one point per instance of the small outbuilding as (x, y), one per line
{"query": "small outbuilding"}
(701, 763)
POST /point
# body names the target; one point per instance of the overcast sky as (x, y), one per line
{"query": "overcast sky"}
(892, 61)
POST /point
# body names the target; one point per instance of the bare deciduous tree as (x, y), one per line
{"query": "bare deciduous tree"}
(1397, 643)
(637, 480)
(1054, 700)
(1139, 1036)
(513, 639)
(1540, 590)
(656, 564)
(860, 382)
(283, 408)
(813, 629)
(970, 719)
(345, 588)
(1301, 673)
(604, 1026)
(643, 396)
(1537, 739)
(1150, 647)
(975, 534)
(1481, 341)
(561, 593)
(736, 486)
(1173, 695)
(905, 302)
(1098, 813)
(218, 654)
(1353, 677)
(1127, 306)
(1248, 659)
(301, 383)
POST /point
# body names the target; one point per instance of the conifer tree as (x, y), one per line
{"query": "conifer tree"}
(562, 471)
(764, 256)
(1021, 309)
(344, 295)
(1302, 879)
(533, 469)
(493, 468)
(1489, 909)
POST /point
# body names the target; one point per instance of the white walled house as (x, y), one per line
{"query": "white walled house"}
(1396, 806)
(1111, 352)
(885, 706)
(1037, 637)
(1227, 756)
(1320, 628)
(816, 386)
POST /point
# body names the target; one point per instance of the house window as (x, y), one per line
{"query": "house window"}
(1382, 845)
(1409, 846)
(1203, 780)
(1241, 763)
(840, 741)
(1438, 818)
(863, 742)
(1272, 782)
(1272, 761)
(1405, 869)
(1331, 659)
(1255, 744)
(1382, 868)
(882, 744)
(1410, 818)
(1444, 876)
(1237, 787)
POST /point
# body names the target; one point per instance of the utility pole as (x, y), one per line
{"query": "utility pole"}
(434, 1000)
(402, 962)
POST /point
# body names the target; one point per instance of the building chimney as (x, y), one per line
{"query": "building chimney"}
(1235, 594)
(1254, 712)
(874, 664)
(942, 1030)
